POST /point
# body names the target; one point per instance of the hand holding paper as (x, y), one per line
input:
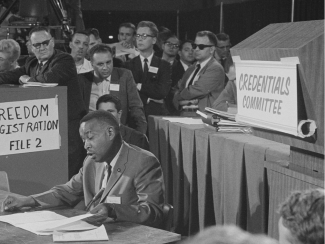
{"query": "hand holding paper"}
(12, 203)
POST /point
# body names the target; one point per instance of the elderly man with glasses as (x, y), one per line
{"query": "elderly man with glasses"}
(202, 83)
(151, 74)
(53, 66)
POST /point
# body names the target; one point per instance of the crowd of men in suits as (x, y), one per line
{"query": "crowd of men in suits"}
(111, 91)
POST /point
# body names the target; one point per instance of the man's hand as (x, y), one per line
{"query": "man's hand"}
(125, 44)
(12, 203)
(23, 79)
(104, 209)
(188, 102)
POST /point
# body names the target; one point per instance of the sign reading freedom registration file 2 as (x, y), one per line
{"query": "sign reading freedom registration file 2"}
(29, 126)
(267, 93)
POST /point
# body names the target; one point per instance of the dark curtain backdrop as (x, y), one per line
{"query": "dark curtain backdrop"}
(240, 19)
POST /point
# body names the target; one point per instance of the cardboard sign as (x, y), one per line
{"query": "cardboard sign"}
(29, 126)
(267, 93)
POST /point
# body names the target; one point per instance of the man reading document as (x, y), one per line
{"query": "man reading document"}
(117, 180)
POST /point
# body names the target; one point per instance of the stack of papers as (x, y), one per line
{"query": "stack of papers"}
(46, 222)
(184, 120)
(39, 84)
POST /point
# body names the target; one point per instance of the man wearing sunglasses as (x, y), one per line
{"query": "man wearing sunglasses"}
(53, 66)
(202, 83)
(151, 74)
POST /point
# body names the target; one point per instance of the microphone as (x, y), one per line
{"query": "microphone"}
(95, 198)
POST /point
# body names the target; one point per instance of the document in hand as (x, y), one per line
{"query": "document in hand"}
(45, 222)
(98, 234)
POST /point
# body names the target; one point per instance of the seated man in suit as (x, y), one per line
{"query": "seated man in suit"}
(125, 49)
(106, 79)
(222, 53)
(302, 218)
(170, 48)
(186, 59)
(79, 46)
(151, 74)
(202, 83)
(9, 54)
(129, 179)
(53, 66)
(95, 39)
(113, 105)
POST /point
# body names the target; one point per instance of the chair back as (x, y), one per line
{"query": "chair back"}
(168, 212)
(4, 183)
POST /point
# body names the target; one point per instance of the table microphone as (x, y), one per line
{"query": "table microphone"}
(95, 198)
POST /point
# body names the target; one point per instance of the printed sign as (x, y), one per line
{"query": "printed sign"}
(267, 93)
(29, 126)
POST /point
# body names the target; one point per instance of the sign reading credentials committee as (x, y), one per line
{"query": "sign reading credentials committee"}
(267, 93)
(29, 126)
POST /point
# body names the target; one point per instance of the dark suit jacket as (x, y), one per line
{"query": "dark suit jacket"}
(156, 86)
(177, 72)
(132, 106)
(134, 137)
(61, 69)
(206, 89)
(136, 178)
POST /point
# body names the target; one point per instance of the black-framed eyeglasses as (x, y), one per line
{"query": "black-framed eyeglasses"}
(172, 45)
(39, 44)
(200, 46)
(143, 36)
(224, 47)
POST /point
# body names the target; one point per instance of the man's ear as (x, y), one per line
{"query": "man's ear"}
(110, 132)
(70, 45)
(154, 40)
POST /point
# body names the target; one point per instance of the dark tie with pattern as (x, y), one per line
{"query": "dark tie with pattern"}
(198, 66)
(39, 68)
(145, 69)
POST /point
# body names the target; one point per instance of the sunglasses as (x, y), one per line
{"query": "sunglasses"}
(143, 36)
(39, 44)
(172, 45)
(200, 46)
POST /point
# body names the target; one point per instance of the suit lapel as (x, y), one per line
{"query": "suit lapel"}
(187, 74)
(115, 78)
(117, 171)
(138, 69)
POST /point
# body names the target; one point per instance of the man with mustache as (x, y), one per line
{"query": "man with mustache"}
(127, 180)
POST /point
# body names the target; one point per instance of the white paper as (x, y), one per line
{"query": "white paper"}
(184, 120)
(28, 217)
(98, 234)
(45, 222)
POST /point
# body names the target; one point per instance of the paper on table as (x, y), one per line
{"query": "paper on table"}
(45, 222)
(98, 234)
(184, 120)
(28, 217)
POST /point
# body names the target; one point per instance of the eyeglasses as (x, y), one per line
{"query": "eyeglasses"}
(200, 46)
(143, 36)
(39, 44)
(224, 47)
(172, 45)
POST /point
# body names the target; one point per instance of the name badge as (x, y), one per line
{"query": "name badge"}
(153, 69)
(112, 199)
(114, 87)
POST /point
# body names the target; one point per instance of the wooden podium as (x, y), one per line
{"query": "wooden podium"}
(306, 41)
(38, 171)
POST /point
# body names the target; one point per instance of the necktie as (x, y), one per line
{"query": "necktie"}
(145, 69)
(198, 67)
(39, 68)
(107, 174)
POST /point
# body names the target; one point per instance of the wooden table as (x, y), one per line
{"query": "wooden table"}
(118, 232)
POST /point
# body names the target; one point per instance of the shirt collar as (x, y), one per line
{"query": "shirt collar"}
(185, 66)
(204, 63)
(149, 58)
(114, 160)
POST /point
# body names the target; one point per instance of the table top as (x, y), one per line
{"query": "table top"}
(118, 232)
